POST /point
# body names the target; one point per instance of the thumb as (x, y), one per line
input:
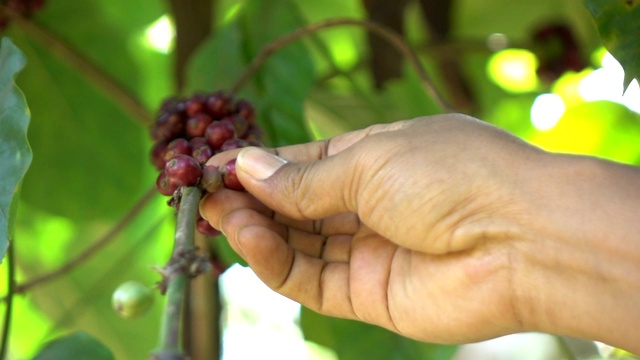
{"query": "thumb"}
(309, 190)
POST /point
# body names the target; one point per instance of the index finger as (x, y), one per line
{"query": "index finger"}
(315, 150)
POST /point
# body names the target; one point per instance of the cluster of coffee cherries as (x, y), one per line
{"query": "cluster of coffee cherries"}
(189, 131)
(23, 8)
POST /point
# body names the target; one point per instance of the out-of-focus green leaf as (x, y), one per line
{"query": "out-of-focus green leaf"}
(619, 25)
(219, 61)
(15, 154)
(285, 79)
(82, 297)
(78, 345)
(354, 340)
(600, 128)
(112, 38)
(90, 158)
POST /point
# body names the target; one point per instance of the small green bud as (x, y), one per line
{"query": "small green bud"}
(132, 299)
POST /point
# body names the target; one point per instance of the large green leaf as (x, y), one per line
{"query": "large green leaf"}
(78, 345)
(619, 25)
(112, 38)
(15, 154)
(90, 157)
(354, 340)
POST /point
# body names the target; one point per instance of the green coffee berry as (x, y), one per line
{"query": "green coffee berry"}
(132, 299)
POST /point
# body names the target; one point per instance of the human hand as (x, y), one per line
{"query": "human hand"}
(432, 228)
(399, 225)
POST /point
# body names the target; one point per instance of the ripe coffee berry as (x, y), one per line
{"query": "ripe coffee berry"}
(177, 147)
(189, 131)
(230, 178)
(202, 153)
(157, 155)
(165, 185)
(197, 141)
(198, 124)
(246, 110)
(234, 143)
(169, 126)
(239, 123)
(219, 132)
(205, 228)
(196, 105)
(218, 105)
(183, 170)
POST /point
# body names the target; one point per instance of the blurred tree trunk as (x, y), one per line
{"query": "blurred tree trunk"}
(193, 21)
(438, 16)
(386, 62)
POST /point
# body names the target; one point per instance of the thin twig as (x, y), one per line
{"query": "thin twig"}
(92, 249)
(75, 60)
(392, 37)
(11, 282)
(176, 275)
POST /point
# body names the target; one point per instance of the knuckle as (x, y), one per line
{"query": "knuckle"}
(297, 186)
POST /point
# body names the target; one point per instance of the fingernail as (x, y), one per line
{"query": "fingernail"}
(258, 163)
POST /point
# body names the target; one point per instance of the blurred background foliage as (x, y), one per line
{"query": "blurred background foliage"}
(97, 71)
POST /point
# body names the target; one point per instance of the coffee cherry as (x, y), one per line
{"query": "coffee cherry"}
(205, 228)
(202, 153)
(230, 178)
(218, 105)
(254, 132)
(132, 299)
(183, 170)
(168, 126)
(197, 125)
(177, 147)
(23, 8)
(197, 141)
(234, 143)
(157, 155)
(195, 105)
(239, 123)
(165, 185)
(246, 110)
(219, 132)
(211, 179)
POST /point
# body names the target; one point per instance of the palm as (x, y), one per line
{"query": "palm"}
(386, 282)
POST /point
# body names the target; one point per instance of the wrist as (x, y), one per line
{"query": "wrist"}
(582, 258)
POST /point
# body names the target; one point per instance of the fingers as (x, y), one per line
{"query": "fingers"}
(320, 285)
(333, 248)
(317, 150)
(216, 206)
(311, 190)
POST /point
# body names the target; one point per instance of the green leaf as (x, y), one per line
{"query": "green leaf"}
(286, 78)
(90, 157)
(218, 63)
(78, 345)
(15, 153)
(352, 340)
(618, 22)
